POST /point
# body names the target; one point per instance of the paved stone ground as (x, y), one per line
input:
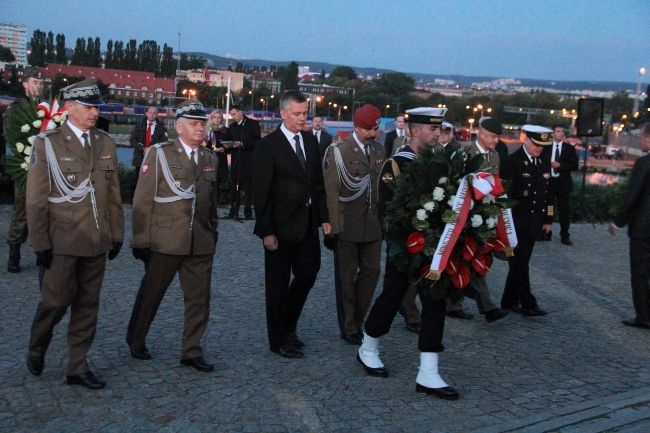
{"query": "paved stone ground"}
(577, 369)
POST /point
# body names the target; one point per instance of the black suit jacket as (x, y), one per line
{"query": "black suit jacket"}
(325, 141)
(249, 134)
(635, 211)
(137, 139)
(528, 185)
(388, 142)
(568, 162)
(289, 200)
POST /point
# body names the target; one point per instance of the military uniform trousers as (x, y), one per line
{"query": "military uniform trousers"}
(359, 268)
(517, 289)
(194, 273)
(385, 308)
(73, 282)
(17, 234)
(640, 277)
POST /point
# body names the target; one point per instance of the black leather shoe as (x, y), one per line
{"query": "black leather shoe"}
(140, 352)
(460, 314)
(446, 393)
(376, 372)
(288, 351)
(35, 364)
(293, 340)
(88, 379)
(413, 327)
(533, 312)
(566, 241)
(494, 315)
(355, 339)
(198, 363)
(633, 323)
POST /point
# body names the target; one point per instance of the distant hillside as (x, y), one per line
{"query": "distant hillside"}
(463, 80)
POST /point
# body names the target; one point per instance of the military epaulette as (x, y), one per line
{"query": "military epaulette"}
(210, 150)
(101, 131)
(161, 144)
(49, 132)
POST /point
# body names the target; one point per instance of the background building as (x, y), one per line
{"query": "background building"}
(14, 37)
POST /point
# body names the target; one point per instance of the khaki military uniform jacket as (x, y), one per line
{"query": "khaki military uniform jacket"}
(70, 228)
(168, 227)
(493, 159)
(358, 220)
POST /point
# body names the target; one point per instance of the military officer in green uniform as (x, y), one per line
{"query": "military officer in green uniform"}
(74, 213)
(175, 230)
(33, 85)
(350, 170)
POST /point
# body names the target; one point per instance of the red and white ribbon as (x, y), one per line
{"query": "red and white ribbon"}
(486, 185)
(50, 114)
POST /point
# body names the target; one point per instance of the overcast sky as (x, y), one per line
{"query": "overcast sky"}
(595, 40)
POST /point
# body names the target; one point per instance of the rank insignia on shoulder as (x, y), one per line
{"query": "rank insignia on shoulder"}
(208, 168)
(387, 177)
(145, 168)
(104, 157)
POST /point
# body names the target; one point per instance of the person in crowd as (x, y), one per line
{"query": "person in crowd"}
(245, 132)
(635, 213)
(351, 169)
(216, 134)
(33, 85)
(74, 213)
(424, 124)
(290, 206)
(150, 130)
(175, 226)
(564, 159)
(398, 132)
(528, 173)
(322, 136)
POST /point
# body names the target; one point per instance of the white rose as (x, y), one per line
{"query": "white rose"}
(27, 159)
(450, 202)
(37, 123)
(28, 150)
(442, 180)
(25, 128)
(421, 214)
(40, 113)
(477, 220)
(438, 193)
(31, 139)
(57, 119)
(491, 222)
(24, 166)
(429, 206)
(20, 147)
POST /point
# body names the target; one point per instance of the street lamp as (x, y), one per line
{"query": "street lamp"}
(191, 93)
(250, 92)
(471, 125)
(263, 101)
(329, 105)
(637, 95)
(386, 110)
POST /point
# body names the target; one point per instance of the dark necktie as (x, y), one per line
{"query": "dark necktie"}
(86, 143)
(194, 166)
(317, 134)
(299, 153)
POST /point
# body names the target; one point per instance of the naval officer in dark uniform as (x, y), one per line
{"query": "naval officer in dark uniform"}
(175, 230)
(529, 173)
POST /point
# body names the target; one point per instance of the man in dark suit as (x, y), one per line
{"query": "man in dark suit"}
(563, 159)
(290, 205)
(399, 131)
(323, 137)
(245, 132)
(529, 174)
(147, 132)
(635, 213)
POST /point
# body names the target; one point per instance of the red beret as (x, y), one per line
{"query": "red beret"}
(367, 117)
